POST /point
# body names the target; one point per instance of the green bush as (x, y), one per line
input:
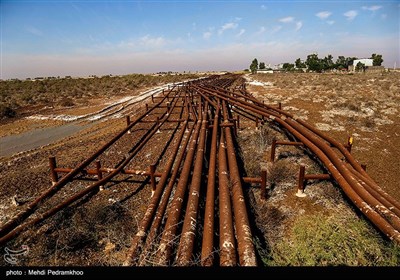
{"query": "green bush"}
(329, 241)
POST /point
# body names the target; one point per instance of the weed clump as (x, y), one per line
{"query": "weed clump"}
(326, 241)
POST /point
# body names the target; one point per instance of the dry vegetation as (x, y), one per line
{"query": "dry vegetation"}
(16, 95)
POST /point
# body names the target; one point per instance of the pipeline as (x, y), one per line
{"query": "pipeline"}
(16, 230)
(246, 249)
(30, 208)
(165, 214)
(391, 228)
(154, 229)
(227, 242)
(186, 244)
(207, 248)
(146, 221)
(168, 237)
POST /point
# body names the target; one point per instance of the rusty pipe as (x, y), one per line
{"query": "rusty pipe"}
(227, 244)
(167, 239)
(379, 221)
(151, 208)
(29, 209)
(385, 229)
(186, 244)
(154, 228)
(367, 197)
(363, 181)
(82, 193)
(246, 249)
(366, 209)
(108, 170)
(207, 248)
(262, 112)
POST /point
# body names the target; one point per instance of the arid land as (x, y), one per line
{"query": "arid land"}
(98, 231)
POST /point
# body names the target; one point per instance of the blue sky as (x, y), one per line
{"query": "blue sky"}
(80, 38)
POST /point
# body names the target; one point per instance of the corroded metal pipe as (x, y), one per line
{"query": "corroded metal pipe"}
(360, 203)
(364, 207)
(169, 234)
(30, 208)
(154, 228)
(82, 193)
(108, 170)
(186, 244)
(373, 187)
(53, 173)
(247, 256)
(387, 203)
(341, 167)
(350, 159)
(227, 244)
(152, 207)
(207, 248)
(380, 220)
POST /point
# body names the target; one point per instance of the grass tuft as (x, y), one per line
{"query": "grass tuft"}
(328, 241)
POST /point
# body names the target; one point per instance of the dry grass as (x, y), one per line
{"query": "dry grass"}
(17, 95)
(282, 171)
(94, 235)
(256, 142)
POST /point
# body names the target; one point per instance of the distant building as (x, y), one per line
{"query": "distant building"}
(366, 61)
(265, 71)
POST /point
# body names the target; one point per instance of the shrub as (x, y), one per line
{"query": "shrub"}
(281, 171)
(326, 241)
(66, 102)
(40, 92)
(369, 122)
(6, 112)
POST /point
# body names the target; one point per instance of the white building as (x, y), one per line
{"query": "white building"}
(366, 61)
(265, 71)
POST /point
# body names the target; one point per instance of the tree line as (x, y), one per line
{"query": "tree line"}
(314, 63)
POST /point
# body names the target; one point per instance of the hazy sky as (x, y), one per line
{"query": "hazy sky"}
(79, 38)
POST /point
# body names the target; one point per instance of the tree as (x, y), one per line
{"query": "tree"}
(349, 60)
(299, 64)
(328, 62)
(377, 59)
(340, 62)
(360, 66)
(288, 66)
(254, 66)
(262, 65)
(314, 63)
